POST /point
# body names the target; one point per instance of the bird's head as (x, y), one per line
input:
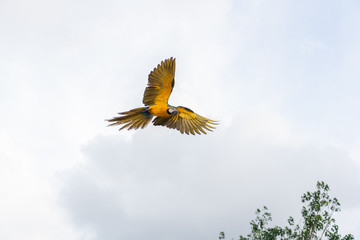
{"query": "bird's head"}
(172, 111)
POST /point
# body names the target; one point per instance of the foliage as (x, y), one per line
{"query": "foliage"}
(317, 220)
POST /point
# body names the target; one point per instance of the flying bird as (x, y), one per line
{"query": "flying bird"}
(161, 82)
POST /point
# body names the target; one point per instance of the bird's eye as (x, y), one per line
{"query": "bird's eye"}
(172, 111)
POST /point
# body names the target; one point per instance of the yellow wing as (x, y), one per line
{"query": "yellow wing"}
(160, 84)
(186, 121)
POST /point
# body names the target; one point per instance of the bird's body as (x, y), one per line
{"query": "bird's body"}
(159, 110)
(160, 85)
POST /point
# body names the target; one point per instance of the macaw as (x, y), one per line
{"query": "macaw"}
(160, 85)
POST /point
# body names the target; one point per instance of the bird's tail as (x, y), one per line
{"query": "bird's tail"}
(133, 119)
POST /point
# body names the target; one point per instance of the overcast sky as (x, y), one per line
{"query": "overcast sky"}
(282, 77)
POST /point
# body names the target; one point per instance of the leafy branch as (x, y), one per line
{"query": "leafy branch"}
(317, 221)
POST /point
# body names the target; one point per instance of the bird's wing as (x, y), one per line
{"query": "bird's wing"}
(186, 121)
(160, 84)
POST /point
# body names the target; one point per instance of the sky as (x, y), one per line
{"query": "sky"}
(282, 77)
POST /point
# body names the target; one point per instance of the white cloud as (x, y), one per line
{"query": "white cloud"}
(169, 185)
